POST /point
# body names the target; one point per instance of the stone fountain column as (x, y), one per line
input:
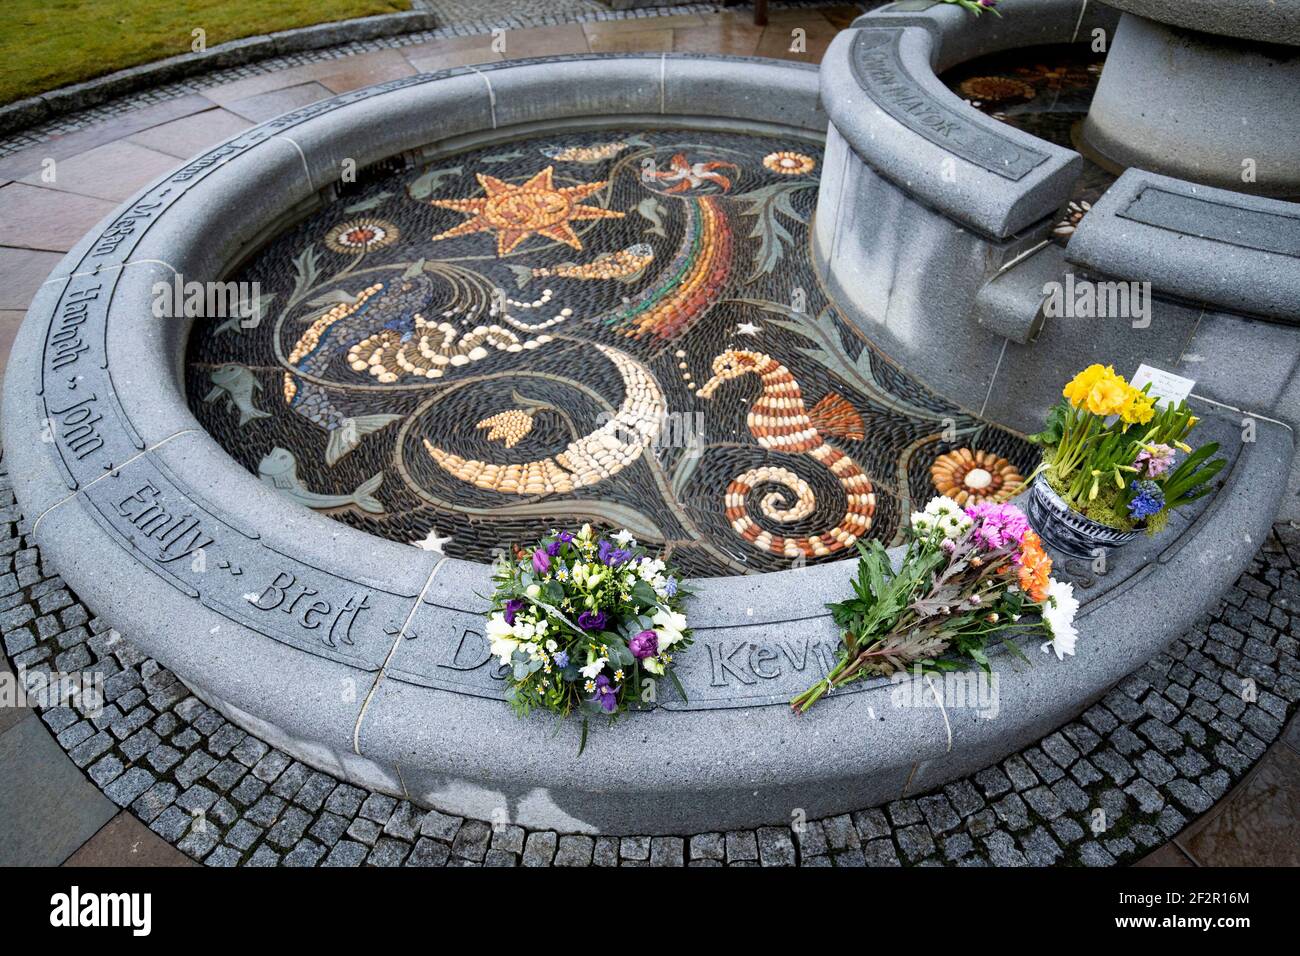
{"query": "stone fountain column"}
(1204, 90)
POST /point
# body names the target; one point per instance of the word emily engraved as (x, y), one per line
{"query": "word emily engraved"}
(176, 535)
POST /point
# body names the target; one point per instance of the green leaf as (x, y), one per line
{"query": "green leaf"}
(672, 675)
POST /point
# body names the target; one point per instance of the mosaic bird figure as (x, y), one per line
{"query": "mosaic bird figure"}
(780, 422)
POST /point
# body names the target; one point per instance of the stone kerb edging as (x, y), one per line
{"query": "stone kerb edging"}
(79, 96)
(1232, 250)
(359, 655)
(882, 94)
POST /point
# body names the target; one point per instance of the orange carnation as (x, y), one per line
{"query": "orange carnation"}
(1035, 567)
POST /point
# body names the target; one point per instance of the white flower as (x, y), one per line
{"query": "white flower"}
(955, 525)
(533, 590)
(624, 537)
(1058, 612)
(654, 665)
(552, 646)
(501, 636)
(592, 670)
(922, 523)
(650, 568)
(669, 626)
(942, 505)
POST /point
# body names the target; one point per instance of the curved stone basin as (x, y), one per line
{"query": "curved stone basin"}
(361, 655)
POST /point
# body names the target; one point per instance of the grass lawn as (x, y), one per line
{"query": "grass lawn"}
(45, 44)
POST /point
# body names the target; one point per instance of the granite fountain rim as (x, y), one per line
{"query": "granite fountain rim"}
(93, 497)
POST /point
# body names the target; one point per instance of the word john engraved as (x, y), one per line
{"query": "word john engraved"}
(77, 427)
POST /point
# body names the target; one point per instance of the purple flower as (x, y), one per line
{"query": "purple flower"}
(513, 607)
(565, 536)
(997, 526)
(561, 659)
(644, 644)
(541, 563)
(553, 548)
(611, 555)
(670, 587)
(591, 620)
(605, 694)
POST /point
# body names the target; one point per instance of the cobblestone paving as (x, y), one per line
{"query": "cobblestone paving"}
(1154, 754)
(461, 18)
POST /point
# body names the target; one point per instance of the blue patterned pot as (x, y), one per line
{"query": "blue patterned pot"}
(1066, 530)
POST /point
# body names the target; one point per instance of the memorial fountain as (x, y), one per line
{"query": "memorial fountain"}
(474, 285)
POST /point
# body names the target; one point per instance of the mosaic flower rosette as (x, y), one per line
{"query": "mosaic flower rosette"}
(587, 623)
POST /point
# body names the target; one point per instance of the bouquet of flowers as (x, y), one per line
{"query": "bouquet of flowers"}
(966, 575)
(1110, 453)
(586, 622)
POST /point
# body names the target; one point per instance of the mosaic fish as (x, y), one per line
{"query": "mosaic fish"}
(389, 305)
(625, 265)
(589, 155)
(279, 469)
(592, 458)
(237, 384)
(689, 285)
(780, 422)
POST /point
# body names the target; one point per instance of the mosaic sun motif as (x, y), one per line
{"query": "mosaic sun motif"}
(621, 328)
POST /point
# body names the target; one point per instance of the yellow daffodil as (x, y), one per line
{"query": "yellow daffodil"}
(1138, 407)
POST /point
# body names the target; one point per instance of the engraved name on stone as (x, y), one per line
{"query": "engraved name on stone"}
(748, 663)
(882, 74)
(125, 227)
(66, 344)
(303, 604)
(470, 652)
(176, 535)
(77, 426)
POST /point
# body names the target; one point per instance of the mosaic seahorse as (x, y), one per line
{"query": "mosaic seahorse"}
(780, 422)
(589, 459)
(688, 286)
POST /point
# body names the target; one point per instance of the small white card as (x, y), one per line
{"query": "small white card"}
(1168, 388)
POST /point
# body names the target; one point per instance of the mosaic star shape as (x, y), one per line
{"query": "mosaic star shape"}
(515, 212)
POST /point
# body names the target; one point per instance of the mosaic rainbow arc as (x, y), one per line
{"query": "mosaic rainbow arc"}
(619, 328)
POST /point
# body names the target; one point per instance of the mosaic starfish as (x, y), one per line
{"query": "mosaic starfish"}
(515, 212)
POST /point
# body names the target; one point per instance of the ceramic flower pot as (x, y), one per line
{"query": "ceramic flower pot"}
(1066, 530)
